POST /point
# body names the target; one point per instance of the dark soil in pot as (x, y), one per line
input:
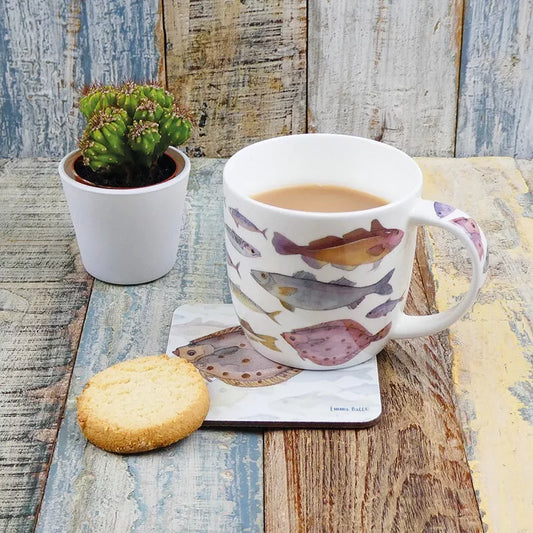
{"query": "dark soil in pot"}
(134, 177)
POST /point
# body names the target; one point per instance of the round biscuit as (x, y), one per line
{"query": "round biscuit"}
(143, 404)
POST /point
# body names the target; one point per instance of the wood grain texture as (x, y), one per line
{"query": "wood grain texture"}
(386, 70)
(240, 67)
(49, 50)
(493, 345)
(407, 473)
(252, 69)
(209, 482)
(43, 296)
(496, 91)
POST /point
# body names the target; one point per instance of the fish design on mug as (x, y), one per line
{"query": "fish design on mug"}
(302, 290)
(232, 264)
(242, 221)
(355, 248)
(241, 245)
(249, 303)
(332, 343)
(443, 210)
(266, 340)
(384, 308)
(470, 226)
(227, 355)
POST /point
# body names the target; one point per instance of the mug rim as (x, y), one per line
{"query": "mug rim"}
(412, 193)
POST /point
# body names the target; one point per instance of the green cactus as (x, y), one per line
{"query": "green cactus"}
(129, 127)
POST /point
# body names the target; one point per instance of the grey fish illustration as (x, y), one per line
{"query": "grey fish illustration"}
(248, 302)
(333, 343)
(358, 247)
(228, 356)
(384, 308)
(241, 245)
(242, 221)
(232, 264)
(266, 340)
(302, 290)
(443, 210)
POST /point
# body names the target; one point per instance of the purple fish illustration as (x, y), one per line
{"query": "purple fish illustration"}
(443, 210)
(241, 245)
(355, 248)
(249, 303)
(384, 308)
(332, 343)
(302, 290)
(242, 221)
(228, 356)
(470, 226)
(232, 264)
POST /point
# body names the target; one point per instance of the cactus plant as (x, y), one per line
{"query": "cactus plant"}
(129, 127)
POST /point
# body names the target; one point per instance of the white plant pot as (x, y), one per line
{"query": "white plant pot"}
(127, 236)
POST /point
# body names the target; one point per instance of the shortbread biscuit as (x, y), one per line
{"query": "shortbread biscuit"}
(142, 404)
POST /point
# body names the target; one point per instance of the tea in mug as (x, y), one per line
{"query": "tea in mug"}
(320, 198)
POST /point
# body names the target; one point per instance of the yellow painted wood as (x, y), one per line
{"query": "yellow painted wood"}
(492, 345)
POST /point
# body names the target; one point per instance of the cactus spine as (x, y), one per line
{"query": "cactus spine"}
(128, 128)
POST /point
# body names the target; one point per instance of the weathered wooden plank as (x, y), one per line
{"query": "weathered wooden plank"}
(496, 90)
(43, 295)
(211, 481)
(51, 49)
(493, 347)
(386, 70)
(240, 67)
(407, 473)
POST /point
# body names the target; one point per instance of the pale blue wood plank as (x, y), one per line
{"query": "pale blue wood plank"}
(496, 85)
(211, 481)
(43, 296)
(48, 50)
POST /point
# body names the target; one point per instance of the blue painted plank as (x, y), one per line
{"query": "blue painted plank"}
(43, 296)
(495, 113)
(211, 481)
(49, 50)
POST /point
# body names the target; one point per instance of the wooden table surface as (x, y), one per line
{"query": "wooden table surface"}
(452, 452)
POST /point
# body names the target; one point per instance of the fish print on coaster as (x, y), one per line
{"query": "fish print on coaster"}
(247, 389)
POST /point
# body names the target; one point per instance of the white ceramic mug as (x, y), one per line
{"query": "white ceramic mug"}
(326, 290)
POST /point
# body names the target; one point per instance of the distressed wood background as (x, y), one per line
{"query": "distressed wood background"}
(438, 78)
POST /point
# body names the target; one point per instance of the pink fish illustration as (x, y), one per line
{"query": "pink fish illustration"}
(228, 356)
(443, 210)
(332, 343)
(241, 220)
(470, 226)
(357, 247)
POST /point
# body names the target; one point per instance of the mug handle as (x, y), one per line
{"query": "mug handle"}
(470, 234)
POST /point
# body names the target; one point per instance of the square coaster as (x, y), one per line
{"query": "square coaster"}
(246, 389)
